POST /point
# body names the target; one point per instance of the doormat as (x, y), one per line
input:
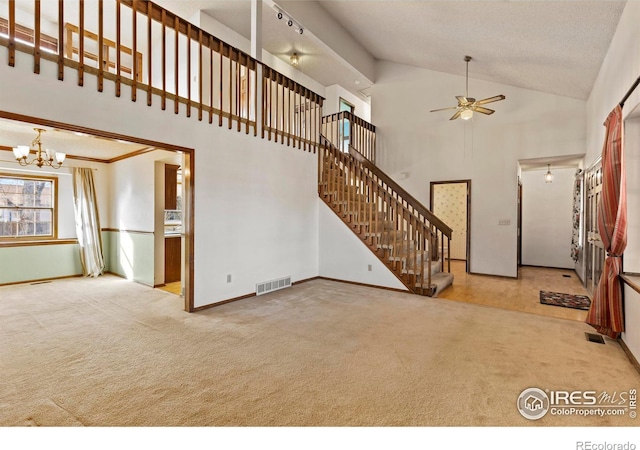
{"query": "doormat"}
(565, 300)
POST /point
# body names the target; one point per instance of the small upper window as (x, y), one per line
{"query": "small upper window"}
(27, 207)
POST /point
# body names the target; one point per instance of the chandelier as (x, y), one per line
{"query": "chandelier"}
(45, 158)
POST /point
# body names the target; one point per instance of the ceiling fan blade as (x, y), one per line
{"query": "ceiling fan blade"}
(483, 110)
(462, 100)
(444, 109)
(497, 98)
(456, 115)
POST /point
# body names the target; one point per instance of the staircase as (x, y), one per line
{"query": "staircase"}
(401, 232)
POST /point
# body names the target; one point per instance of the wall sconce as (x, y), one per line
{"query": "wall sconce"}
(548, 177)
(294, 59)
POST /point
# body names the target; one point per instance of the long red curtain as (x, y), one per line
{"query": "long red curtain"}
(606, 314)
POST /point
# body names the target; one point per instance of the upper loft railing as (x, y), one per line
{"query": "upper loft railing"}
(345, 130)
(139, 44)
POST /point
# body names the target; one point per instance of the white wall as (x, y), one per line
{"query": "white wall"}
(621, 67)
(547, 218)
(429, 147)
(344, 256)
(256, 211)
(632, 157)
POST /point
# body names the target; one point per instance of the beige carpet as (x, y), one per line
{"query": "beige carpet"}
(109, 352)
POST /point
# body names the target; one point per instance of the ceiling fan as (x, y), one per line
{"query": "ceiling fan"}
(467, 105)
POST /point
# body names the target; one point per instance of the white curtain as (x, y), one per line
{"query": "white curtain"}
(87, 222)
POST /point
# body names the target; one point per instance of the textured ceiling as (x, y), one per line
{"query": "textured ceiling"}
(13, 133)
(550, 46)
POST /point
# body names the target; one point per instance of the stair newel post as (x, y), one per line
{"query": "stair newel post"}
(379, 210)
(330, 171)
(414, 238)
(396, 228)
(442, 250)
(423, 247)
(340, 138)
(348, 178)
(341, 178)
(404, 259)
(429, 262)
(371, 202)
(361, 197)
(387, 233)
(448, 254)
(320, 169)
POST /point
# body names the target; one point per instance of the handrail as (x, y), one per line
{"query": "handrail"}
(345, 128)
(386, 179)
(399, 236)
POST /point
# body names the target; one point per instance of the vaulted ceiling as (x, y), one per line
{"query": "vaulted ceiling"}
(550, 46)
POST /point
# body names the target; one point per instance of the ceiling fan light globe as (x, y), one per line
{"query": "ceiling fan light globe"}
(466, 114)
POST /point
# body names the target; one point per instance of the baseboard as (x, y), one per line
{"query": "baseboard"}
(495, 276)
(304, 281)
(366, 285)
(41, 280)
(223, 302)
(549, 267)
(243, 297)
(630, 355)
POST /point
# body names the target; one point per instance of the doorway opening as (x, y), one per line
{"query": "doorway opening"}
(345, 131)
(129, 241)
(594, 248)
(451, 202)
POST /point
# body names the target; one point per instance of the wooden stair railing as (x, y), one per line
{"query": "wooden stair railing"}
(345, 130)
(141, 45)
(353, 135)
(441, 231)
(393, 230)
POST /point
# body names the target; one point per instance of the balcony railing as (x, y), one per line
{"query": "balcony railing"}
(164, 59)
(345, 130)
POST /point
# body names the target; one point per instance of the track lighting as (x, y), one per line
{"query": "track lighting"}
(292, 23)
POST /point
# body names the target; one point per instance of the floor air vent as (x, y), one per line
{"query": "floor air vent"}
(273, 285)
(593, 337)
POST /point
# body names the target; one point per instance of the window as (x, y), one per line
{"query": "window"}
(346, 130)
(27, 207)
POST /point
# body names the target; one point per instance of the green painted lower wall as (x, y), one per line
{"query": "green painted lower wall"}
(130, 255)
(39, 262)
